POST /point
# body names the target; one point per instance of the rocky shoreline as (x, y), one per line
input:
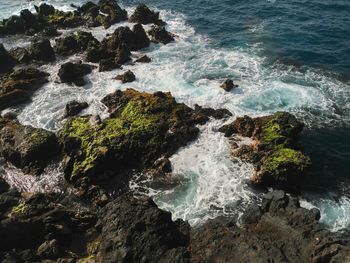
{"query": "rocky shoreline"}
(140, 133)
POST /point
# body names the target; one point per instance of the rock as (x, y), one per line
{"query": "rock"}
(74, 73)
(18, 86)
(108, 65)
(67, 46)
(50, 31)
(20, 55)
(26, 147)
(144, 15)
(289, 234)
(160, 35)
(113, 10)
(252, 215)
(9, 114)
(143, 59)
(278, 163)
(4, 187)
(137, 231)
(209, 112)
(41, 50)
(121, 55)
(95, 54)
(86, 40)
(126, 77)
(74, 107)
(228, 85)
(135, 117)
(6, 61)
(49, 249)
(45, 10)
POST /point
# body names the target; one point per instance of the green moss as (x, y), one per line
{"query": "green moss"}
(271, 132)
(20, 208)
(284, 158)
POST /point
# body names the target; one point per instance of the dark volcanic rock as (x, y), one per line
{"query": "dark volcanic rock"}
(74, 43)
(74, 107)
(4, 187)
(6, 61)
(114, 12)
(26, 147)
(143, 59)
(274, 152)
(18, 86)
(142, 127)
(136, 230)
(283, 232)
(41, 50)
(144, 15)
(108, 64)
(74, 73)
(160, 35)
(126, 77)
(228, 85)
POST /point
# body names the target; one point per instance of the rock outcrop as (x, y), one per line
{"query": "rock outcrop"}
(126, 77)
(73, 73)
(160, 35)
(278, 162)
(144, 15)
(74, 107)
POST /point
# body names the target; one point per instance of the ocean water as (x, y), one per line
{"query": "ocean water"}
(284, 55)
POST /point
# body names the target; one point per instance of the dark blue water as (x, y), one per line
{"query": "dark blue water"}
(314, 33)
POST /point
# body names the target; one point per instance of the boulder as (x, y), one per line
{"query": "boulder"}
(4, 187)
(41, 50)
(26, 147)
(74, 107)
(113, 10)
(45, 10)
(108, 64)
(126, 77)
(74, 73)
(228, 85)
(18, 86)
(160, 35)
(144, 15)
(6, 61)
(67, 46)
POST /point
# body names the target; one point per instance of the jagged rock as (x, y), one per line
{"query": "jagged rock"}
(143, 59)
(126, 77)
(160, 35)
(6, 61)
(50, 31)
(135, 118)
(41, 50)
(228, 85)
(4, 187)
(74, 73)
(113, 10)
(144, 15)
(282, 232)
(18, 86)
(26, 147)
(74, 107)
(209, 112)
(67, 46)
(108, 64)
(136, 230)
(278, 163)
(45, 10)
(95, 54)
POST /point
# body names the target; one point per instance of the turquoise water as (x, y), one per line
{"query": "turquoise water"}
(285, 55)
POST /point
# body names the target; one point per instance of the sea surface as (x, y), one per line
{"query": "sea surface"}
(285, 55)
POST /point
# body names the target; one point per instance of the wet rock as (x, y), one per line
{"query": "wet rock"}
(126, 77)
(50, 31)
(45, 10)
(135, 118)
(74, 107)
(108, 64)
(6, 61)
(18, 86)
(74, 73)
(286, 234)
(4, 187)
(228, 85)
(113, 10)
(143, 59)
(209, 112)
(41, 50)
(67, 46)
(26, 147)
(9, 114)
(95, 54)
(144, 15)
(136, 230)
(278, 163)
(49, 249)
(160, 35)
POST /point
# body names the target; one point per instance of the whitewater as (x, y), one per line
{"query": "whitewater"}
(212, 183)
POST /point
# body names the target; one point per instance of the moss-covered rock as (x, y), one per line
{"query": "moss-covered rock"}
(278, 162)
(18, 86)
(26, 147)
(142, 127)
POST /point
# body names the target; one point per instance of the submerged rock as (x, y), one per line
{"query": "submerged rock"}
(74, 73)
(17, 87)
(126, 77)
(278, 163)
(26, 147)
(144, 15)
(74, 107)
(160, 35)
(142, 127)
